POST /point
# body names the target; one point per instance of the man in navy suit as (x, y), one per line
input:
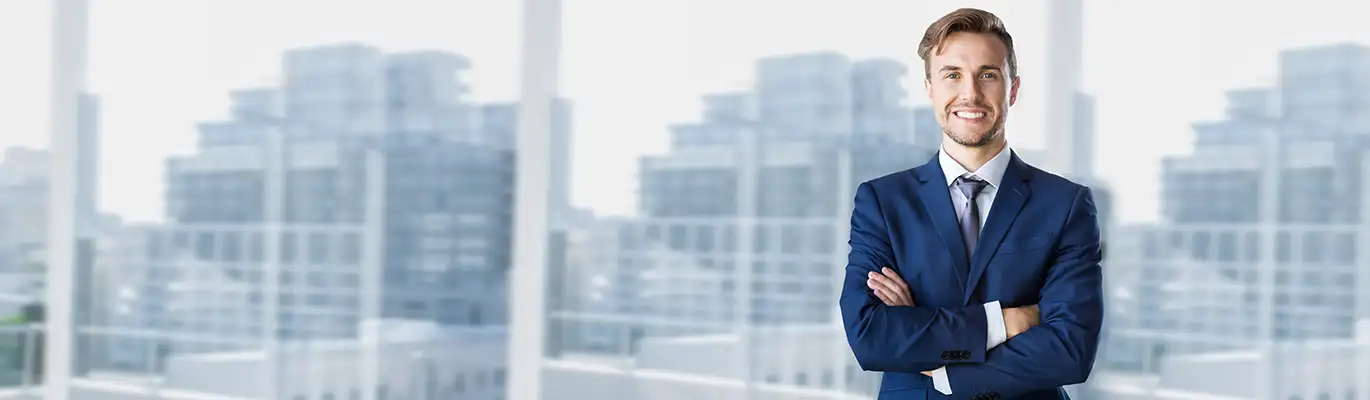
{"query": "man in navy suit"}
(974, 276)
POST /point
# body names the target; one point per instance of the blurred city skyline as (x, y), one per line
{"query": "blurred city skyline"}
(710, 49)
(350, 200)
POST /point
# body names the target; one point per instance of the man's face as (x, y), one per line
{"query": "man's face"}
(970, 87)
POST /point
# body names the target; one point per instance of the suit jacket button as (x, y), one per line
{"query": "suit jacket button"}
(965, 355)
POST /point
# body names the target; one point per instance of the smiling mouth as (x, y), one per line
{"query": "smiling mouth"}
(970, 115)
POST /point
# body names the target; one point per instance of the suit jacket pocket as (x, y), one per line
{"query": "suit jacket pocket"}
(1027, 242)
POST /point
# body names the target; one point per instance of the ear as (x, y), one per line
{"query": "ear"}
(1013, 92)
(927, 87)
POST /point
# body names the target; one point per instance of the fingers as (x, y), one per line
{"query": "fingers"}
(884, 297)
(900, 287)
(899, 282)
(890, 288)
(894, 277)
(880, 292)
(881, 283)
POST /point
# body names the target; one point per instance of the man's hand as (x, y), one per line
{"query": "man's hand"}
(1018, 319)
(890, 288)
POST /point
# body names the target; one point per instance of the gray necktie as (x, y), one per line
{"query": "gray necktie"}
(970, 185)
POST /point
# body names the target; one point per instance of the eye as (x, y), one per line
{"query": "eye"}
(989, 75)
(954, 75)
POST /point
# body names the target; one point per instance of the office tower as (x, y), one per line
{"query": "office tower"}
(356, 151)
(741, 228)
(1258, 257)
(88, 165)
(784, 169)
(1071, 149)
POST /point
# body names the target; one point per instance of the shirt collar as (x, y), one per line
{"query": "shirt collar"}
(992, 172)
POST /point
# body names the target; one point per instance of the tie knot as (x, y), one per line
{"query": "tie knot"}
(970, 185)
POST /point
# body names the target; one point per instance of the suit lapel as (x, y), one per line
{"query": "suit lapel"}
(935, 196)
(1009, 200)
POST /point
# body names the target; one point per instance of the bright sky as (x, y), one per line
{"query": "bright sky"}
(632, 67)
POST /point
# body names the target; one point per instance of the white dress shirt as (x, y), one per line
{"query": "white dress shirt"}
(993, 173)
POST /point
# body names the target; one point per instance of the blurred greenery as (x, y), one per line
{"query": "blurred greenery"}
(14, 345)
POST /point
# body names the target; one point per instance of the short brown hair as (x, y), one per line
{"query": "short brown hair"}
(970, 20)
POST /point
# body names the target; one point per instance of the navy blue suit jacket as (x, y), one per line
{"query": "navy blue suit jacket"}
(1040, 245)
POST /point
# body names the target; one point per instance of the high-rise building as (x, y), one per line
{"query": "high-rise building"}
(1299, 127)
(88, 165)
(1260, 245)
(1070, 148)
(24, 202)
(498, 122)
(741, 221)
(24, 186)
(390, 190)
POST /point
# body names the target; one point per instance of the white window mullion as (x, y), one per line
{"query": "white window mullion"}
(541, 26)
(67, 85)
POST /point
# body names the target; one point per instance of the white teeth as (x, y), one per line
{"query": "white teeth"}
(970, 115)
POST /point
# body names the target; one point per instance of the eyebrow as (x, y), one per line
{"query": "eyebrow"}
(985, 67)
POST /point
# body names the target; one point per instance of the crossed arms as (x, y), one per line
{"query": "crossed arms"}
(912, 339)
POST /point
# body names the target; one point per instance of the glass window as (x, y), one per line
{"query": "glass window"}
(275, 178)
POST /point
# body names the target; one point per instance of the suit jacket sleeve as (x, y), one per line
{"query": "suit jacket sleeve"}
(899, 339)
(1061, 350)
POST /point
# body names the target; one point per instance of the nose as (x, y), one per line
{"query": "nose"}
(969, 90)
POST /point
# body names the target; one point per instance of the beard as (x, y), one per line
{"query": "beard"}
(976, 140)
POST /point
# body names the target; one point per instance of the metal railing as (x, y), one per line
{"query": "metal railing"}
(133, 364)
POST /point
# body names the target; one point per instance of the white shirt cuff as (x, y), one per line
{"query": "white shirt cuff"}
(998, 332)
(940, 382)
